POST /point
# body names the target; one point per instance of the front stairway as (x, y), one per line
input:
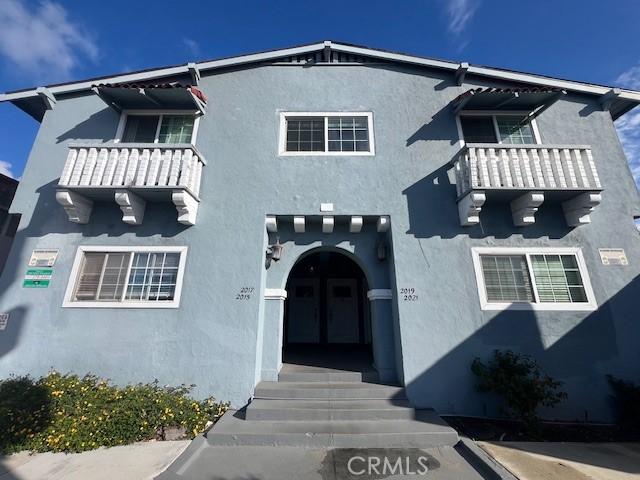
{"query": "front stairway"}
(314, 406)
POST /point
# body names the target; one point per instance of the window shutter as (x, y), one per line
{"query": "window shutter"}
(114, 276)
(89, 279)
(506, 278)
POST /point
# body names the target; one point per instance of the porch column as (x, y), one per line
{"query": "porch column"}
(272, 333)
(382, 333)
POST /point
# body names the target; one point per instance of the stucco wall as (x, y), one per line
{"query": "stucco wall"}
(211, 340)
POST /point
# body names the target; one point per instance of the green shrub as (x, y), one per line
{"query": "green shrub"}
(626, 396)
(519, 380)
(66, 413)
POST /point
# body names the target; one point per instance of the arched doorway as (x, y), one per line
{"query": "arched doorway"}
(327, 316)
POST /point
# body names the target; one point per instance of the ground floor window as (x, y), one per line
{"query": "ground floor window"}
(148, 277)
(543, 279)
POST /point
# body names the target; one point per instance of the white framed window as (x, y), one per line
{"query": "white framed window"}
(154, 126)
(509, 128)
(126, 277)
(532, 279)
(326, 133)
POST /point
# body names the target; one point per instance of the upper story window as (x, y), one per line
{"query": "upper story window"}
(316, 133)
(498, 128)
(158, 128)
(126, 277)
(540, 279)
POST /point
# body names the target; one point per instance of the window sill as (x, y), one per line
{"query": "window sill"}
(554, 307)
(152, 305)
(326, 154)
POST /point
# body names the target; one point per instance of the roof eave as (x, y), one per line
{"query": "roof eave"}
(186, 69)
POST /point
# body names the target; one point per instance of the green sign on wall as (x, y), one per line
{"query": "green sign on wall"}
(37, 278)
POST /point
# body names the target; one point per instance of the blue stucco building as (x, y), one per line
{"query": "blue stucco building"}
(195, 223)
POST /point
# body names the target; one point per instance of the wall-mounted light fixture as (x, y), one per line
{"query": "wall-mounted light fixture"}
(274, 252)
(382, 251)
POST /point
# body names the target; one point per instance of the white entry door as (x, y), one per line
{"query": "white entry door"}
(303, 298)
(342, 311)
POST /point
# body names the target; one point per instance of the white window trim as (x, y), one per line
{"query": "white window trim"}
(282, 140)
(494, 114)
(589, 305)
(69, 302)
(160, 113)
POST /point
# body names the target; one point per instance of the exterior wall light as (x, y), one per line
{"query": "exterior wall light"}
(382, 251)
(274, 252)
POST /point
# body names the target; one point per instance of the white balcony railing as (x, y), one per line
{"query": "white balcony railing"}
(131, 174)
(528, 172)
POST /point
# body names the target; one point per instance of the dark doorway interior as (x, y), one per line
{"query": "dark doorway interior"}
(326, 312)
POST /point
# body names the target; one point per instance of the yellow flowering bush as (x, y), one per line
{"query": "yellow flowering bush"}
(67, 413)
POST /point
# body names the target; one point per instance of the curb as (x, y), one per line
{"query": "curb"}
(481, 461)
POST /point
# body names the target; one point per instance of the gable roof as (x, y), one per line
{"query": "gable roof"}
(618, 101)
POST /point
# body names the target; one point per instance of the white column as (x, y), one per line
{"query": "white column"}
(382, 335)
(273, 331)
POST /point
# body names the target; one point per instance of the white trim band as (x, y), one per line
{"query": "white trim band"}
(275, 294)
(379, 294)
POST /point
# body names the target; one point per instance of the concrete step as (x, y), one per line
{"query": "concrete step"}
(328, 376)
(327, 390)
(426, 430)
(301, 410)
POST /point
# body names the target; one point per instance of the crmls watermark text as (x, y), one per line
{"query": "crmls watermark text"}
(383, 465)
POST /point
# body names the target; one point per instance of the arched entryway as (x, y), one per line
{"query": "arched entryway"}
(327, 320)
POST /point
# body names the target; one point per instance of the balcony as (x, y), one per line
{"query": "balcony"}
(131, 175)
(526, 176)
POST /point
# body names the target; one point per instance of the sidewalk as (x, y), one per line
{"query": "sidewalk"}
(567, 461)
(130, 462)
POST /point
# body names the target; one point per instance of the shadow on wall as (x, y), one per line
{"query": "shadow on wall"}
(106, 218)
(439, 128)
(578, 357)
(10, 336)
(433, 212)
(87, 128)
(49, 217)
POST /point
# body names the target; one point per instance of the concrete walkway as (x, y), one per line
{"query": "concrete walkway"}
(139, 461)
(567, 461)
(284, 462)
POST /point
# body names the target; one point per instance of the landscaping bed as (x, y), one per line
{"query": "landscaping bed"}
(486, 429)
(68, 413)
